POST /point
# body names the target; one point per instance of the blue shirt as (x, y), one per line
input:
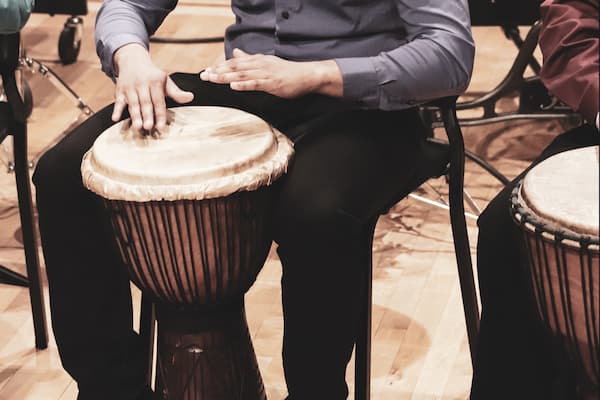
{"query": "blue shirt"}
(392, 53)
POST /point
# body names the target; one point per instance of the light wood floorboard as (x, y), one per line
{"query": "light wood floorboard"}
(420, 350)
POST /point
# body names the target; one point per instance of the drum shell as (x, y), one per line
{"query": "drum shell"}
(193, 253)
(565, 277)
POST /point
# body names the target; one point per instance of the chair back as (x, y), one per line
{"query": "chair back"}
(505, 13)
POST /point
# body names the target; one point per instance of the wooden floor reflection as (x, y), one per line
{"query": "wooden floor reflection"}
(420, 349)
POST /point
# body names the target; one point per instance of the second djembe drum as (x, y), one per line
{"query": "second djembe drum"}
(190, 210)
(556, 204)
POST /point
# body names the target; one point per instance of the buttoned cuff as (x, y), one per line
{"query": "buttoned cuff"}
(106, 49)
(360, 80)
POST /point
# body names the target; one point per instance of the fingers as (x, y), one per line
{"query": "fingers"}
(135, 113)
(136, 97)
(157, 95)
(145, 101)
(174, 92)
(146, 108)
(238, 53)
(119, 107)
(253, 84)
(236, 76)
(247, 65)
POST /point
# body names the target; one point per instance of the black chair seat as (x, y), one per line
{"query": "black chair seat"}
(504, 12)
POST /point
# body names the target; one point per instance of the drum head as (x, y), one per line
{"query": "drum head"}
(206, 152)
(562, 191)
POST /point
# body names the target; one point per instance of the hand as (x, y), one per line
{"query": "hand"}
(142, 87)
(271, 74)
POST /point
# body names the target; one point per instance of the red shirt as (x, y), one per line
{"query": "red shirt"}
(569, 43)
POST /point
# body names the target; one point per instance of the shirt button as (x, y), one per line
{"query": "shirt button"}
(285, 15)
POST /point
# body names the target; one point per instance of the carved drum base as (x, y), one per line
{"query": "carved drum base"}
(206, 356)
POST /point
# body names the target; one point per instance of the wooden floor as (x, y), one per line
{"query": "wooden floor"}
(420, 349)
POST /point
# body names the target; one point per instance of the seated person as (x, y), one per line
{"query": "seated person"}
(515, 357)
(341, 79)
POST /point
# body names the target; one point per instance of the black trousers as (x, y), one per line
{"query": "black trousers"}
(349, 166)
(517, 358)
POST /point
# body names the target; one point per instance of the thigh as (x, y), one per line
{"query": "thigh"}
(291, 116)
(287, 115)
(354, 163)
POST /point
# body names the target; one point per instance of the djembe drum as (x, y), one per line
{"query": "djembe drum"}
(556, 205)
(190, 210)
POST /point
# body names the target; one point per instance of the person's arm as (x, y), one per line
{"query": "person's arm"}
(569, 42)
(122, 22)
(122, 35)
(436, 61)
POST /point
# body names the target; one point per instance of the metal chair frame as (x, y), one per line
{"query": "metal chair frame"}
(535, 102)
(34, 66)
(14, 120)
(455, 171)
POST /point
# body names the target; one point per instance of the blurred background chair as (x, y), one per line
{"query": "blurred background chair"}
(69, 40)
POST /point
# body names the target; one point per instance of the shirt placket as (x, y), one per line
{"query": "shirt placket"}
(285, 10)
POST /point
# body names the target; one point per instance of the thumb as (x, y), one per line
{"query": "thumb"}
(239, 53)
(174, 92)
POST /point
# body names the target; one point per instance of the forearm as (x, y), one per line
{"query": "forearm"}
(436, 61)
(121, 22)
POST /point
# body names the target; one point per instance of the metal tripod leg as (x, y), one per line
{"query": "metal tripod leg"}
(35, 66)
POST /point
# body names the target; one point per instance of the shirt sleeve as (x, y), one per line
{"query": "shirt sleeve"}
(436, 60)
(569, 40)
(121, 22)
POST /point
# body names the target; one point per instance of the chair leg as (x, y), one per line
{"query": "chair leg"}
(465, 272)
(29, 235)
(17, 126)
(362, 349)
(459, 225)
(147, 319)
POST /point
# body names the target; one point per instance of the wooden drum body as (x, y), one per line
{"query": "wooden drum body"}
(556, 205)
(191, 213)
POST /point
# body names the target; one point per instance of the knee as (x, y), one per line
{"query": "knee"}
(51, 171)
(496, 218)
(318, 220)
(60, 167)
